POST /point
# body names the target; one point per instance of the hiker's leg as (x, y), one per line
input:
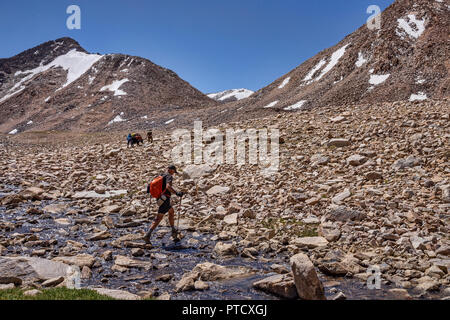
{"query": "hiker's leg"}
(157, 221)
(172, 217)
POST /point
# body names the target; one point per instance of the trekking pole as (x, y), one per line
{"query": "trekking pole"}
(178, 222)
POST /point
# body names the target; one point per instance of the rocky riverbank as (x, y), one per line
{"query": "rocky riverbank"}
(357, 188)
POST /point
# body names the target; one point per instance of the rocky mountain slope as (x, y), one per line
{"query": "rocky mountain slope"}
(60, 86)
(407, 59)
(231, 95)
(357, 187)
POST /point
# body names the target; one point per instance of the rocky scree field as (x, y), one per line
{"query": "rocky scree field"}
(357, 187)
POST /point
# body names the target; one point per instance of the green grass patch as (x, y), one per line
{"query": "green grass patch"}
(53, 294)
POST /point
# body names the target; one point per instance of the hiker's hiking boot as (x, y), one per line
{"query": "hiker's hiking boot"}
(147, 237)
(175, 235)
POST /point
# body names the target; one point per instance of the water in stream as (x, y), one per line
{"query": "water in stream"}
(164, 256)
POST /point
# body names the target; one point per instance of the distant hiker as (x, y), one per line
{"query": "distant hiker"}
(134, 138)
(129, 140)
(150, 136)
(161, 188)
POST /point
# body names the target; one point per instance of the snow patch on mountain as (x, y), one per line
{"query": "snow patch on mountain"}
(233, 94)
(118, 118)
(314, 70)
(378, 79)
(272, 104)
(420, 96)
(335, 57)
(296, 106)
(361, 60)
(414, 27)
(74, 62)
(285, 82)
(114, 87)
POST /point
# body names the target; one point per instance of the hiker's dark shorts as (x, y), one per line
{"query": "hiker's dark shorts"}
(165, 207)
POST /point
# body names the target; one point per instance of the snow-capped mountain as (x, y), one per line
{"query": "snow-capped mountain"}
(407, 59)
(58, 85)
(231, 95)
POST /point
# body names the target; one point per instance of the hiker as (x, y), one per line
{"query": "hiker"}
(150, 136)
(134, 138)
(165, 205)
(129, 140)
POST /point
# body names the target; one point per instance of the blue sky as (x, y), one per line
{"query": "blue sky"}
(213, 44)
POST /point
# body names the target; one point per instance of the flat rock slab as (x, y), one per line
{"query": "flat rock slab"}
(213, 272)
(123, 261)
(117, 294)
(95, 195)
(216, 190)
(310, 242)
(55, 208)
(80, 260)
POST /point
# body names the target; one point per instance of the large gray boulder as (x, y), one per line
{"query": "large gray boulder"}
(28, 270)
(307, 283)
(408, 162)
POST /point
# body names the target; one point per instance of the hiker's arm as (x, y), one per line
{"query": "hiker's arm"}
(169, 187)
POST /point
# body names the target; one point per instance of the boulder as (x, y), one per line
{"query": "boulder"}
(109, 209)
(32, 292)
(117, 294)
(187, 282)
(330, 234)
(342, 213)
(213, 272)
(341, 196)
(338, 143)
(112, 153)
(372, 175)
(80, 260)
(201, 285)
(250, 214)
(307, 283)
(309, 242)
(217, 190)
(55, 208)
(408, 162)
(444, 250)
(123, 261)
(282, 285)
(102, 235)
(231, 219)
(33, 193)
(356, 160)
(197, 171)
(24, 270)
(226, 249)
(446, 193)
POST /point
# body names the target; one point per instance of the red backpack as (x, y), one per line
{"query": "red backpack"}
(155, 188)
